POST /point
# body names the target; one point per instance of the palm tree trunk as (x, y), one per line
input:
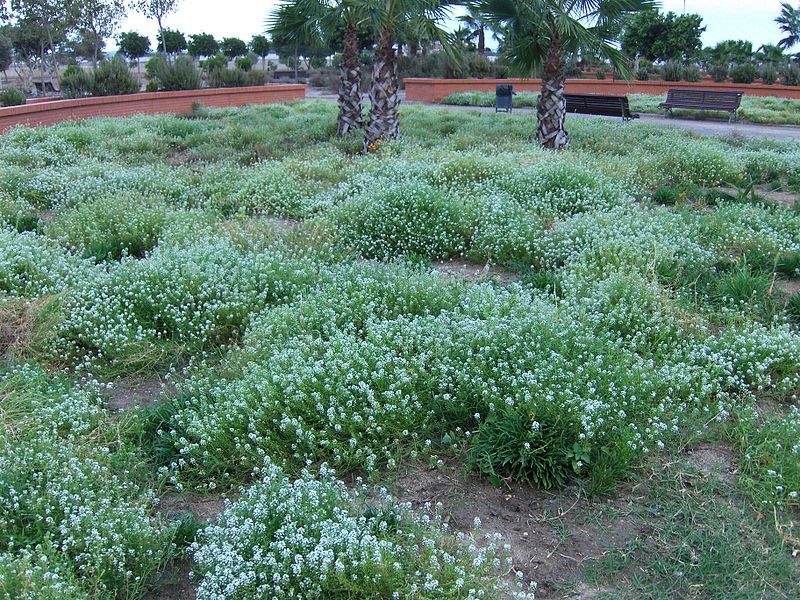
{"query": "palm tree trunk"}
(551, 106)
(350, 116)
(384, 123)
(481, 41)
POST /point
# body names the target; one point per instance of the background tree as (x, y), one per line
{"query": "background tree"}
(260, 46)
(41, 27)
(476, 25)
(156, 9)
(233, 47)
(655, 36)
(295, 33)
(539, 35)
(172, 41)
(789, 23)
(133, 46)
(98, 20)
(732, 52)
(84, 46)
(6, 55)
(202, 45)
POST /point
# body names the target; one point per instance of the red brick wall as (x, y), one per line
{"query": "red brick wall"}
(433, 90)
(55, 111)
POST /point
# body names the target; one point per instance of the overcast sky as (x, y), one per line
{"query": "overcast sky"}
(724, 19)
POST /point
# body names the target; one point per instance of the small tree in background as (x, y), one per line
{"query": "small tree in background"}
(6, 55)
(202, 45)
(172, 41)
(98, 19)
(260, 46)
(156, 9)
(233, 47)
(133, 46)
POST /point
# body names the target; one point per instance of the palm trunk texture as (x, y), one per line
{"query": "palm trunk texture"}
(384, 123)
(551, 107)
(350, 115)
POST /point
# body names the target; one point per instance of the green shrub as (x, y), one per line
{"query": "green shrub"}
(672, 71)
(220, 61)
(537, 449)
(113, 77)
(244, 63)
(181, 74)
(600, 73)
(225, 78)
(12, 97)
(793, 308)
(642, 74)
(75, 82)
(719, 72)
(691, 72)
(152, 65)
(769, 74)
(152, 86)
(790, 73)
(743, 286)
(744, 73)
(666, 195)
(789, 263)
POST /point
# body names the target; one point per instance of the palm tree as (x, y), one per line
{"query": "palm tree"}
(540, 33)
(770, 54)
(388, 19)
(476, 24)
(789, 22)
(320, 20)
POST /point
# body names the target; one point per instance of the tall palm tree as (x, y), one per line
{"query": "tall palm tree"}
(328, 18)
(540, 33)
(789, 22)
(476, 23)
(388, 19)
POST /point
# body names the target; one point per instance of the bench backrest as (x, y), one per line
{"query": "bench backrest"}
(723, 100)
(596, 104)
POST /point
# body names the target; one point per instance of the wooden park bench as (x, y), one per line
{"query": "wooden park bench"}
(703, 100)
(45, 87)
(596, 104)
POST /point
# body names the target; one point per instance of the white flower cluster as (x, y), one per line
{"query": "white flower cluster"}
(70, 493)
(312, 538)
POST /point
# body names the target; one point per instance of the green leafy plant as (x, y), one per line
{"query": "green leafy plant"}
(113, 77)
(75, 82)
(12, 97)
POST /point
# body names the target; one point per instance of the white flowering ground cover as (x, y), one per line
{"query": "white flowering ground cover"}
(284, 283)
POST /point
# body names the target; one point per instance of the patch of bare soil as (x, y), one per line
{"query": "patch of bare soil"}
(173, 583)
(789, 287)
(137, 391)
(203, 508)
(784, 198)
(474, 272)
(552, 535)
(714, 461)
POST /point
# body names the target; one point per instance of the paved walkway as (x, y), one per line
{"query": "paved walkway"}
(709, 127)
